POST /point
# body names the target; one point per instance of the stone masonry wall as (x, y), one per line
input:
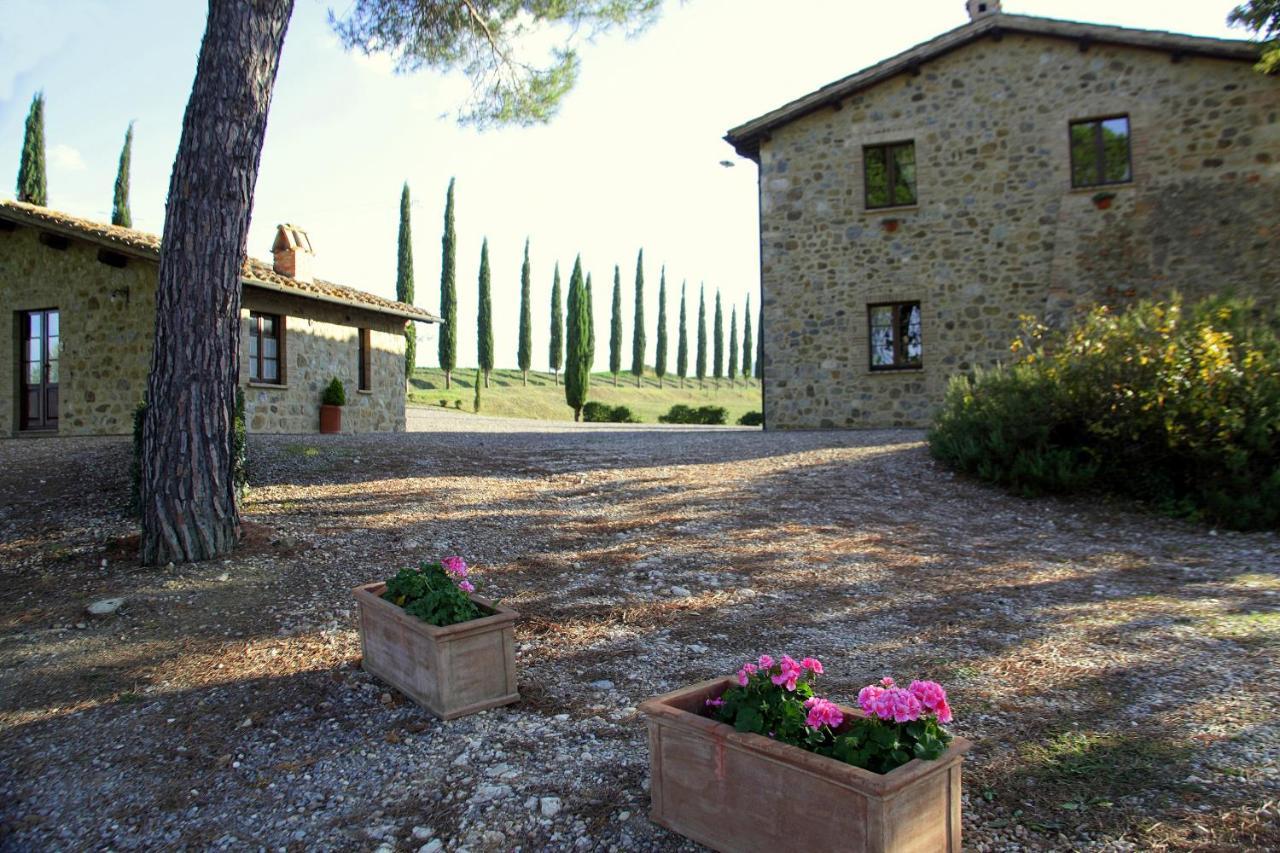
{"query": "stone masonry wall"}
(998, 232)
(107, 319)
(321, 342)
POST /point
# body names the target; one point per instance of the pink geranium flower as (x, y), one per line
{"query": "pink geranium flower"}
(766, 662)
(894, 703)
(867, 697)
(813, 665)
(455, 566)
(933, 698)
(822, 712)
(744, 674)
(466, 586)
(789, 672)
(715, 703)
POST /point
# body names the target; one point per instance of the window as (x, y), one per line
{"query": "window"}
(890, 174)
(1100, 152)
(266, 339)
(366, 362)
(895, 335)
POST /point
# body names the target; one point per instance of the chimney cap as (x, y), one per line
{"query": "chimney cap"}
(981, 8)
(291, 237)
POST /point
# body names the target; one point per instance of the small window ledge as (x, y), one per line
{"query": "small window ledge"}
(890, 211)
(1101, 188)
(364, 391)
(893, 371)
(272, 386)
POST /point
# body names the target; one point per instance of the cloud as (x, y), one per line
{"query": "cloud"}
(67, 158)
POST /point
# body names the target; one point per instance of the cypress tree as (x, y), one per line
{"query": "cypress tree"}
(404, 271)
(448, 293)
(32, 186)
(591, 328)
(660, 357)
(717, 345)
(637, 334)
(733, 345)
(615, 327)
(484, 316)
(701, 365)
(746, 341)
(577, 374)
(760, 347)
(524, 352)
(556, 356)
(682, 341)
(475, 403)
(120, 214)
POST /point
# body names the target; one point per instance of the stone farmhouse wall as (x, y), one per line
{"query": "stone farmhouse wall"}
(107, 321)
(998, 232)
(321, 342)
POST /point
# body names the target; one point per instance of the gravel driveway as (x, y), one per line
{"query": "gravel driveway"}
(1115, 669)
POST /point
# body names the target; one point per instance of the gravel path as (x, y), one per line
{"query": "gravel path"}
(1115, 669)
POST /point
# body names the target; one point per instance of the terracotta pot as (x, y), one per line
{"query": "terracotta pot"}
(890, 225)
(1102, 203)
(743, 792)
(451, 671)
(330, 419)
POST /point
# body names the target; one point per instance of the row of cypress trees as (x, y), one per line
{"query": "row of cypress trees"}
(566, 342)
(33, 181)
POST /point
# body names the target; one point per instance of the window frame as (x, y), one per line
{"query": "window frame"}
(1099, 151)
(899, 354)
(256, 374)
(364, 360)
(890, 173)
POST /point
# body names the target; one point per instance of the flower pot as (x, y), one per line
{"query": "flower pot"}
(330, 419)
(743, 792)
(890, 225)
(451, 671)
(1102, 203)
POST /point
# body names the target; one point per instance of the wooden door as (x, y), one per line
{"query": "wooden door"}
(40, 349)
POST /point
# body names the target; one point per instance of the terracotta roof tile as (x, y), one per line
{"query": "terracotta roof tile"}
(255, 272)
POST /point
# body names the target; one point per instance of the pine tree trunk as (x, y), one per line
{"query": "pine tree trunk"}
(189, 509)
(448, 383)
(556, 374)
(526, 378)
(486, 379)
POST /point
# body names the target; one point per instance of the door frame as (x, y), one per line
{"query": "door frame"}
(22, 323)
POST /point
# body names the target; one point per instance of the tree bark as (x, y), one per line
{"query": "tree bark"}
(189, 509)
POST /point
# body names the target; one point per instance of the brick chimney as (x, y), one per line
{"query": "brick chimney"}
(982, 8)
(292, 253)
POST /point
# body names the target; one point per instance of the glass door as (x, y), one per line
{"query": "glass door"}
(40, 339)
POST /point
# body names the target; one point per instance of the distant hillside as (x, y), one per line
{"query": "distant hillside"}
(507, 397)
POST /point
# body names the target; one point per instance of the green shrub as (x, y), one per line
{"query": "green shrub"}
(135, 466)
(598, 412)
(751, 419)
(334, 393)
(1175, 405)
(431, 594)
(681, 414)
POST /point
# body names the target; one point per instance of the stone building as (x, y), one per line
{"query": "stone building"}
(78, 299)
(910, 213)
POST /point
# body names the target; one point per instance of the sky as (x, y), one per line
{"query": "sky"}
(632, 160)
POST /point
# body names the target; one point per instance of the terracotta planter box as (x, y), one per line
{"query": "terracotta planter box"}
(330, 419)
(451, 671)
(744, 792)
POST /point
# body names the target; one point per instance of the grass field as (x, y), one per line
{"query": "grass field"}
(507, 396)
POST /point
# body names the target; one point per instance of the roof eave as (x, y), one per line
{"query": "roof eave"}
(420, 317)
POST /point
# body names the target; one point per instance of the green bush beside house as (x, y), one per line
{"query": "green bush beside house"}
(1175, 405)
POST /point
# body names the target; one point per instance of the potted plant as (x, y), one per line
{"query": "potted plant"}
(890, 224)
(1102, 200)
(333, 398)
(881, 777)
(427, 633)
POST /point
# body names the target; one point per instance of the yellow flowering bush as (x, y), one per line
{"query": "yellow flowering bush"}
(1174, 404)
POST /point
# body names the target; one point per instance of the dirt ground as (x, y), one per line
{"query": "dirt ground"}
(1116, 670)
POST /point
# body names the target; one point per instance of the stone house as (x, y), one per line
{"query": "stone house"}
(78, 300)
(912, 212)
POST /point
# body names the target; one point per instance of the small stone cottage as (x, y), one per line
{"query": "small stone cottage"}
(910, 213)
(78, 299)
